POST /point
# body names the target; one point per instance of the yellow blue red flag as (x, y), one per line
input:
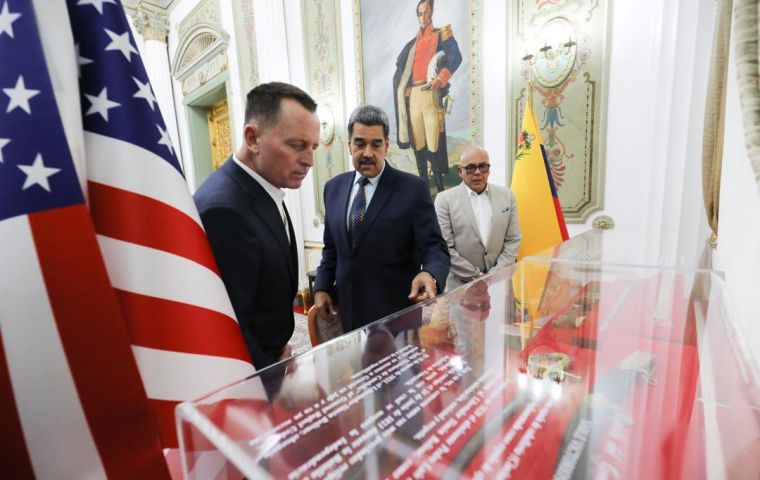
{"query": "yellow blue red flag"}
(542, 224)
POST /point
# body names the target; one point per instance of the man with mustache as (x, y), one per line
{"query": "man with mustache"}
(249, 229)
(383, 247)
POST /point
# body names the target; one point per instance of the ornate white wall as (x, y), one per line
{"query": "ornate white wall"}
(659, 55)
(659, 62)
(658, 75)
(180, 11)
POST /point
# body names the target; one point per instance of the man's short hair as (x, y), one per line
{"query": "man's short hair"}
(263, 102)
(429, 2)
(371, 116)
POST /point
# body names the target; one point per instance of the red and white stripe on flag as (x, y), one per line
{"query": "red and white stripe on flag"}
(185, 337)
(71, 398)
(81, 408)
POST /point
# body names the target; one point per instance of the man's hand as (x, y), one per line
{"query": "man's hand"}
(287, 352)
(433, 84)
(324, 305)
(423, 287)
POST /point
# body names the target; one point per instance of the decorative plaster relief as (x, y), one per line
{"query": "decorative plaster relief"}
(563, 47)
(151, 25)
(321, 24)
(245, 35)
(206, 12)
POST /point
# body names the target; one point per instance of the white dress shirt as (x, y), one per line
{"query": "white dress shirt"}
(369, 192)
(278, 196)
(481, 207)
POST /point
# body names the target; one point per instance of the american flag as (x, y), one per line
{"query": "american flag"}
(181, 323)
(71, 401)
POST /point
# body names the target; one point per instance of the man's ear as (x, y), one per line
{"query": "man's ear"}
(251, 132)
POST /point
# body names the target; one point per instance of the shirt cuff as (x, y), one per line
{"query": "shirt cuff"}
(445, 75)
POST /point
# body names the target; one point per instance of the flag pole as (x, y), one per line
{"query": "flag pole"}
(530, 60)
(530, 88)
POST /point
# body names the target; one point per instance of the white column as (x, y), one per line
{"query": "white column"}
(154, 28)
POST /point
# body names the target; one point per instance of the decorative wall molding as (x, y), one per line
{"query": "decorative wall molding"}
(201, 55)
(206, 12)
(324, 75)
(603, 222)
(156, 5)
(476, 77)
(152, 25)
(201, 52)
(245, 41)
(563, 47)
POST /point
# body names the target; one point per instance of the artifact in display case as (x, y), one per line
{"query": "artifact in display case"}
(553, 368)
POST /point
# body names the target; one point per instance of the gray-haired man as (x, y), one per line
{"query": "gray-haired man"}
(383, 247)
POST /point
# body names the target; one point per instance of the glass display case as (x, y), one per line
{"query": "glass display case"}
(554, 368)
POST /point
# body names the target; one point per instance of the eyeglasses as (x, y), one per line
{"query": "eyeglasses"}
(477, 306)
(483, 167)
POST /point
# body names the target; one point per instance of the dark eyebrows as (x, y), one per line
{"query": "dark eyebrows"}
(375, 140)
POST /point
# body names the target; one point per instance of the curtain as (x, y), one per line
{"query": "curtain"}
(748, 75)
(712, 139)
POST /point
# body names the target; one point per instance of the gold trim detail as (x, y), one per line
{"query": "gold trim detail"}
(446, 32)
(603, 222)
(219, 134)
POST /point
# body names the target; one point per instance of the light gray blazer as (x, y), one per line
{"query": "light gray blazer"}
(472, 256)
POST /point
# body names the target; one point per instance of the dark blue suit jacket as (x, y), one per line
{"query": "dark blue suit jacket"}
(399, 237)
(258, 265)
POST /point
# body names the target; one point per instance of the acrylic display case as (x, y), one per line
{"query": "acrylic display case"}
(554, 368)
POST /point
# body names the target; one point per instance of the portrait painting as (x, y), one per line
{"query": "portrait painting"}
(417, 60)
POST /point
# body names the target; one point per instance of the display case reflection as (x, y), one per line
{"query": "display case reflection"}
(459, 327)
(547, 370)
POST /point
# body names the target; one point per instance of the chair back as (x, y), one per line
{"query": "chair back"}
(321, 329)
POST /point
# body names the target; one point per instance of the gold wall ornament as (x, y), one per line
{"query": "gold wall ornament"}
(713, 240)
(219, 133)
(603, 222)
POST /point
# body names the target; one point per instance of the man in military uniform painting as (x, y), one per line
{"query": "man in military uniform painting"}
(420, 85)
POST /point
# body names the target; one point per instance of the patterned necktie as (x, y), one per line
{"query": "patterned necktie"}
(356, 217)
